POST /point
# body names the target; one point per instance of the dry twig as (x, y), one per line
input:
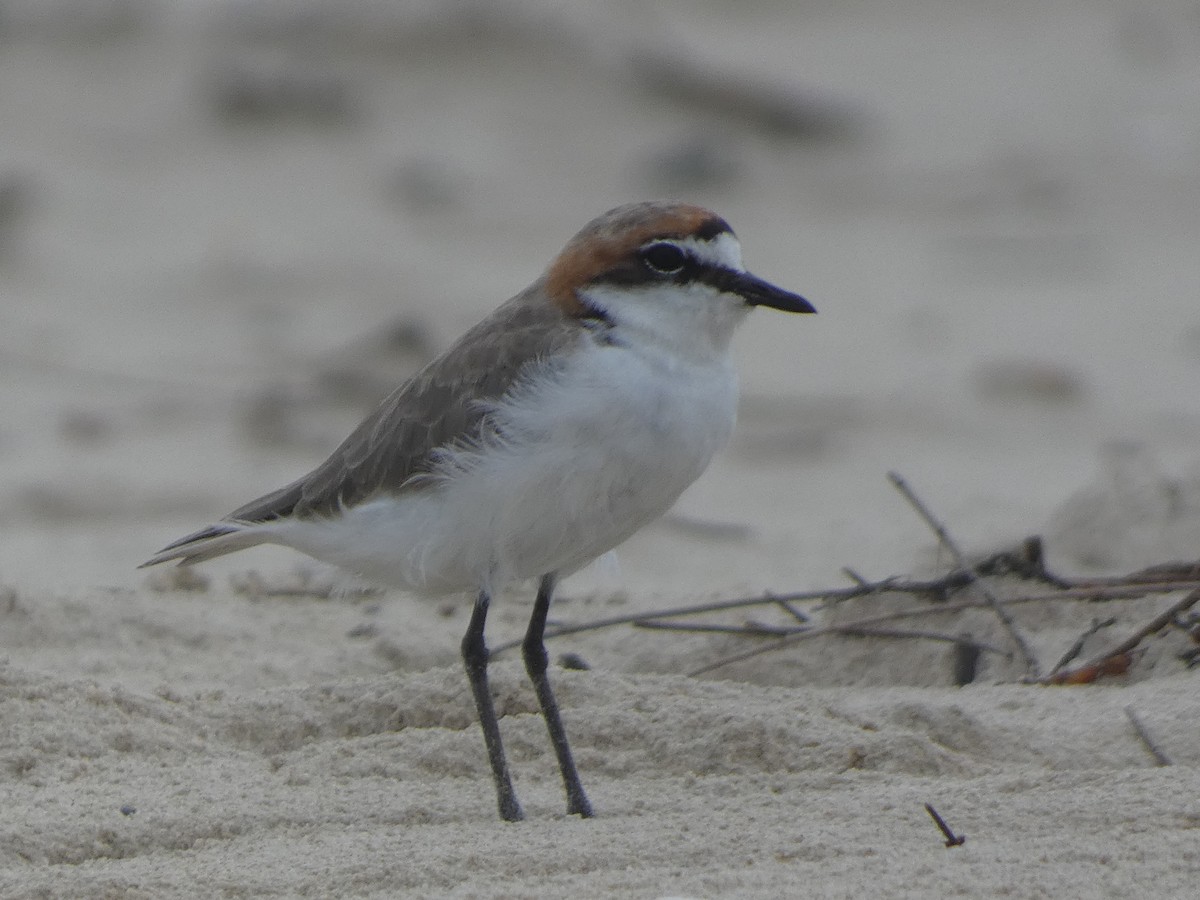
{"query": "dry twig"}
(952, 839)
(1025, 561)
(1076, 648)
(750, 629)
(1159, 757)
(1094, 590)
(1031, 663)
(850, 629)
(1117, 660)
(798, 614)
(781, 643)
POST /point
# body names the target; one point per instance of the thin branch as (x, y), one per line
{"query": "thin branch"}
(1076, 648)
(798, 614)
(931, 609)
(908, 587)
(854, 576)
(1103, 664)
(750, 629)
(1160, 579)
(1159, 757)
(921, 634)
(1112, 589)
(845, 630)
(1160, 574)
(1116, 590)
(717, 606)
(1031, 663)
(952, 839)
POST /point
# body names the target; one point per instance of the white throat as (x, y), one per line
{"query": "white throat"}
(694, 321)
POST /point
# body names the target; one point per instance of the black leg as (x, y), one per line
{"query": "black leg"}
(536, 663)
(475, 657)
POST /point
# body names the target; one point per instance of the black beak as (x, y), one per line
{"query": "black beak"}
(757, 292)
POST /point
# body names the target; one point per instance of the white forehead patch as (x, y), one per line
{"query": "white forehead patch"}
(723, 250)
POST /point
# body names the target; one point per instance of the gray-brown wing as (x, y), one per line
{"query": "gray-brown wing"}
(438, 406)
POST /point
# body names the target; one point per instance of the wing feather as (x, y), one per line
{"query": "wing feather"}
(443, 404)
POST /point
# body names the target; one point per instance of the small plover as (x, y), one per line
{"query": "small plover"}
(549, 433)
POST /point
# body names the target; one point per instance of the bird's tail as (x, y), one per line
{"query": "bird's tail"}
(208, 543)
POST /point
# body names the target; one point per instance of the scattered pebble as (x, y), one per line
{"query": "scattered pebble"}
(574, 661)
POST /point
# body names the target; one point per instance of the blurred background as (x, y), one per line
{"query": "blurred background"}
(228, 228)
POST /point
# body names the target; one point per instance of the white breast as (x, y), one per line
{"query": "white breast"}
(583, 455)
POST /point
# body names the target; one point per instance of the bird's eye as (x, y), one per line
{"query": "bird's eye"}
(664, 258)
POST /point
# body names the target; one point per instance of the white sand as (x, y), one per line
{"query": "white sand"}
(1002, 247)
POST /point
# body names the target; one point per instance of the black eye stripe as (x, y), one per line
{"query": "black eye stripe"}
(638, 274)
(682, 268)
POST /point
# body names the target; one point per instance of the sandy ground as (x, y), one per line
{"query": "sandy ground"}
(226, 229)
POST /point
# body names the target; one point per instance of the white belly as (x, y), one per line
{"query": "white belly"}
(582, 460)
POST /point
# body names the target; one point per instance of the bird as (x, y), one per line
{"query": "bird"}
(575, 413)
